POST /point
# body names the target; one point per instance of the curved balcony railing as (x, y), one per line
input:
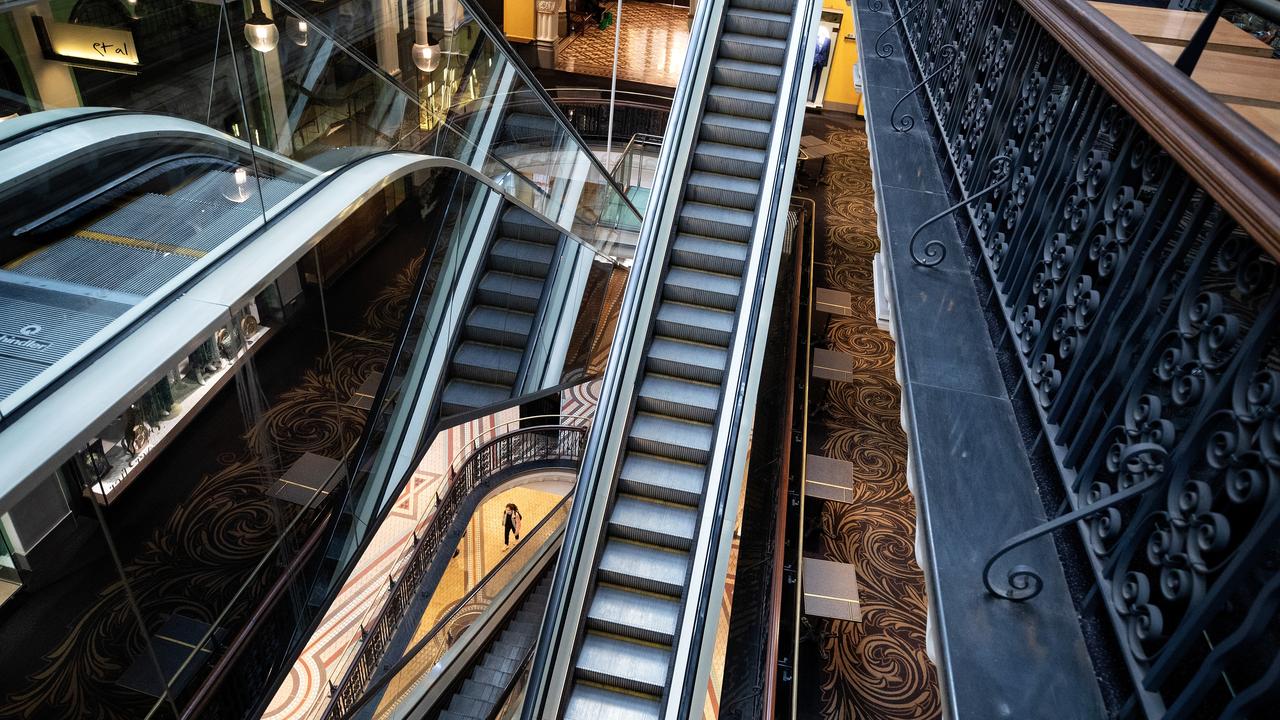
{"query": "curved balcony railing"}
(487, 466)
(1131, 248)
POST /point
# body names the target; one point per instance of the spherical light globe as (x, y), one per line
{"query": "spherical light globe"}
(426, 57)
(261, 32)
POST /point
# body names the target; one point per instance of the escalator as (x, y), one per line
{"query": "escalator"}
(641, 586)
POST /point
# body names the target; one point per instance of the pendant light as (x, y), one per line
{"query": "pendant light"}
(260, 31)
(426, 56)
(298, 31)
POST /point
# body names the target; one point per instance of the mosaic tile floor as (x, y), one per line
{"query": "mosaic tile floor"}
(651, 49)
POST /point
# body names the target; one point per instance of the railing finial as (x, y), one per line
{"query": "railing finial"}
(934, 251)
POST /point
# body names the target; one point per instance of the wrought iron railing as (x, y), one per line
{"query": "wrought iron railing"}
(1130, 234)
(501, 457)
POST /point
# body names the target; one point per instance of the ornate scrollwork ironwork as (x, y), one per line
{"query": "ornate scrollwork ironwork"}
(884, 49)
(934, 251)
(906, 122)
(875, 5)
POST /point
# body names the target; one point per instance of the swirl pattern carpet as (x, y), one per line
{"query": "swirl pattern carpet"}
(877, 669)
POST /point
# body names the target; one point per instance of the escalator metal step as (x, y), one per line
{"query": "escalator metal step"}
(677, 397)
(757, 22)
(716, 221)
(662, 478)
(740, 102)
(491, 364)
(522, 257)
(697, 361)
(590, 702)
(670, 437)
(704, 253)
(692, 322)
(728, 159)
(715, 188)
(520, 224)
(733, 130)
(699, 287)
(778, 6)
(636, 615)
(498, 326)
(464, 395)
(748, 74)
(505, 290)
(753, 48)
(480, 691)
(644, 567)
(650, 521)
(623, 663)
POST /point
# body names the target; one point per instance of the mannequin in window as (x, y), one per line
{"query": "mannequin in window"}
(821, 53)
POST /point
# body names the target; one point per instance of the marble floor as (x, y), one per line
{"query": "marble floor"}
(651, 48)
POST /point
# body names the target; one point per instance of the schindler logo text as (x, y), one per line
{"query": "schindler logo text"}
(23, 342)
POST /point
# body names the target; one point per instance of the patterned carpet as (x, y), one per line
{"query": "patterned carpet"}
(651, 47)
(197, 558)
(876, 669)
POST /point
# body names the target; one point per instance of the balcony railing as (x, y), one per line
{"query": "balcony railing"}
(1129, 227)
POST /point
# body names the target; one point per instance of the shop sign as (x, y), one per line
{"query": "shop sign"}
(86, 44)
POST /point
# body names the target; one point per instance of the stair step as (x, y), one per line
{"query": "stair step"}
(492, 364)
(508, 291)
(740, 102)
(636, 615)
(663, 478)
(698, 287)
(644, 567)
(727, 159)
(522, 257)
(520, 224)
(669, 526)
(696, 323)
(753, 47)
(623, 664)
(719, 189)
(461, 396)
(746, 74)
(498, 326)
(757, 22)
(677, 397)
(480, 691)
(711, 254)
(670, 437)
(693, 360)
(734, 130)
(590, 702)
(716, 221)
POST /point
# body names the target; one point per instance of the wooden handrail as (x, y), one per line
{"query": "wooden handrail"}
(1232, 160)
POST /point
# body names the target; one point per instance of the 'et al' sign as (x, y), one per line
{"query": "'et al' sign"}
(86, 44)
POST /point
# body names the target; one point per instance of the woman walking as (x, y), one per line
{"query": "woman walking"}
(510, 524)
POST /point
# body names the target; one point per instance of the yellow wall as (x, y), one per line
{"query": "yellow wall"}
(518, 20)
(840, 81)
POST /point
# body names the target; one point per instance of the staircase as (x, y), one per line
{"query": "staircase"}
(483, 689)
(486, 363)
(623, 664)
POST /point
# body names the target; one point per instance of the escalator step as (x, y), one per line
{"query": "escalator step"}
(643, 566)
(696, 361)
(641, 616)
(695, 323)
(716, 221)
(492, 364)
(733, 130)
(753, 48)
(520, 224)
(704, 253)
(747, 74)
(778, 6)
(698, 287)
(670, 526)
(623, 664)
(728, 159)
(589, 702)
(490, 677)
(718, 189)
(757, 22)
(464, 706)
(465, 395)
(505, 290)
(670, 437)
(498, 326)
(662, 478)
(740, 102)
(522, 257)
(677, 397)
(480, 691)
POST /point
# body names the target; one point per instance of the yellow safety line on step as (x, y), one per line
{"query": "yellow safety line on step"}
(140, 244)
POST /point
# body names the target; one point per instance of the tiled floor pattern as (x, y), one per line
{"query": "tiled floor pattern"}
(651, 49)
(878, 668)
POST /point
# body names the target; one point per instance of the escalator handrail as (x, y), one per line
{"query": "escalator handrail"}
(627, 346)
(733, 431)
(497, 37)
